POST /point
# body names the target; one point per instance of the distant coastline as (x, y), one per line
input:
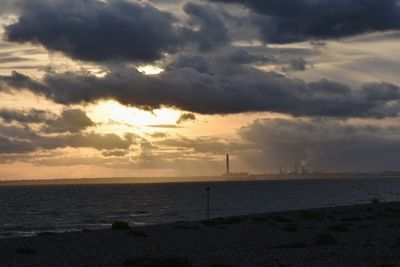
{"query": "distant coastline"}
(194, 179)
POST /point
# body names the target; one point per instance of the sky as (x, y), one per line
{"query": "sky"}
(121, 88)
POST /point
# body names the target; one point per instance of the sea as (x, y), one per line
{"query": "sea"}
(27, 210)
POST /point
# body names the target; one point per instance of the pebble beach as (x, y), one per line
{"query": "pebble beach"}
(361, 235)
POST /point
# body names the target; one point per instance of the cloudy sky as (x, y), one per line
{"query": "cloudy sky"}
(107, 88)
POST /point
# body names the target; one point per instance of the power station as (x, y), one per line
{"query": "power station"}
(299, 170)
(234, 175)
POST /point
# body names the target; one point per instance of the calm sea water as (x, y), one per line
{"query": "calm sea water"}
(26, 210)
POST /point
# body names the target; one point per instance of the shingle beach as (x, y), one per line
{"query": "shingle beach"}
(362, 235)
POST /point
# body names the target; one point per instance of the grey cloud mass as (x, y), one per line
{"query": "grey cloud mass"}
(212, 31)
(23, 140)
(297, 64)
(285, 21)
(242, 89)
(115, 30)
(331, 144)
(95, 30)
(55, 131)
(71, 120)
(24, 116)
(186, 117)
(195, 62)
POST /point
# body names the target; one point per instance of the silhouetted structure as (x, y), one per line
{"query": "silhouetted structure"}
(234, 175)
(208, 203)
(227, 164)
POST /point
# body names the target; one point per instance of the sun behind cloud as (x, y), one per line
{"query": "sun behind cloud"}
(132, 117)
(150, 69)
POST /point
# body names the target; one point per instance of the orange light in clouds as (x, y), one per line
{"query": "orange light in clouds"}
(112, 110)
(150, 69)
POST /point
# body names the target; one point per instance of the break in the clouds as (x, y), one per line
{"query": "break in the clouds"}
(285, 21)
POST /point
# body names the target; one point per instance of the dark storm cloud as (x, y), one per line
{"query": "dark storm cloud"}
(195, 62)
(116, 30)
(242, 56)
(23, 116)
(66, 130)
(211, 31)
(70, 120)
(8, 146)
(23, 140)
(186, 117)
(297, 64)
(89, 140)
(284, 21)
(233, 90)
(332, 144)
(94, 30)
(18, 80)
(220, 61)
(115, 153)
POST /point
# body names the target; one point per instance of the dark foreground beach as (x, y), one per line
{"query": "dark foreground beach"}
(363, 235)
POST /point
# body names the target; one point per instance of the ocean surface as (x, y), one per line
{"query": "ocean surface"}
(28, 210)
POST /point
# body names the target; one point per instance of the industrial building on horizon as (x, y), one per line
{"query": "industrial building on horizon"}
(234, 175)
(300, 171)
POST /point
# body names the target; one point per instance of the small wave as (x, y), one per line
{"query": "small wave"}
(140, 213)
(159, 204)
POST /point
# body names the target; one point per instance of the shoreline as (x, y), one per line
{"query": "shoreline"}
(199, 179)
(357, 235)
(36, 233)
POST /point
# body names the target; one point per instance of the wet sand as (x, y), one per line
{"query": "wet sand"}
(362, 235)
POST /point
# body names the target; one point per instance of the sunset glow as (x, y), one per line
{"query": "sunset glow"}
(113, 111)
(199, 133)
(170, 87)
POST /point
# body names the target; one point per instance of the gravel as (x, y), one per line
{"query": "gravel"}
(296, 238)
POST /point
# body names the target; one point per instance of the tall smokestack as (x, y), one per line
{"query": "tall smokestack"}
(227, 163)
